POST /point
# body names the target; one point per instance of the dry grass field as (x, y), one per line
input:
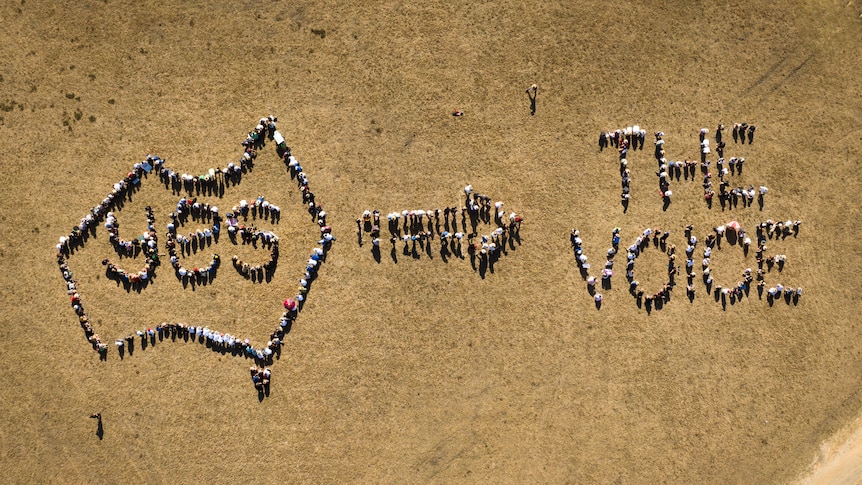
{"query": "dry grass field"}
(422, 371)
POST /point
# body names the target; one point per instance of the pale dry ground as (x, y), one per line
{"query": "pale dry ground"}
(421, 371)
(840, 458)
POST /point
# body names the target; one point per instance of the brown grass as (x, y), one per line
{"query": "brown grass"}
(421, 371)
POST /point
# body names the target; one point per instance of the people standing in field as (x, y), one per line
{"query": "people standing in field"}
(178, 244)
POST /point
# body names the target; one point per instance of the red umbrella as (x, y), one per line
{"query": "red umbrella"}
(733, 225)
(289, 304)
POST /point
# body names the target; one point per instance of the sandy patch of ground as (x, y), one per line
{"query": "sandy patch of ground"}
(839, 460)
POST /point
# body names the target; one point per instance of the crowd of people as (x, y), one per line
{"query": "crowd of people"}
(217, 341)
(732, 233)
(202, 238)
(632, 137)
(78, 236)
(416, 229)
(212, 182)
(260, 377)
(200, 212)
(622, 139)
(666, 170)
(767, 230)
(641, 243)
(147, 243)
(740, 132)
(584, 265)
